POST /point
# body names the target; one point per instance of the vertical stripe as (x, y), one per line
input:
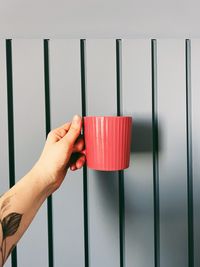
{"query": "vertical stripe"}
(138, 181)
(29, 136)
(155, 154)
(85, 180)
(48, 128)
(65, 101)
(121, 172)
(189, 154)
(118, 75)
(10, 126)
(195, 111)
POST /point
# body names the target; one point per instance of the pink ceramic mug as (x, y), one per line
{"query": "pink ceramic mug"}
(107, 142)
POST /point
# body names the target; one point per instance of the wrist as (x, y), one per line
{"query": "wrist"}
(46, 183)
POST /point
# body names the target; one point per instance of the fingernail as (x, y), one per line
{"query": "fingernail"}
(76, 119)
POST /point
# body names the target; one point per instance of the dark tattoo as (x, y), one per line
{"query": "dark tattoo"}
(9, 225)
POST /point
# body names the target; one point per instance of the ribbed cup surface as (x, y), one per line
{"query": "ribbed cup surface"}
(107, 142)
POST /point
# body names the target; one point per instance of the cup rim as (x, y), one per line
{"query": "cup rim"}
(109, 116)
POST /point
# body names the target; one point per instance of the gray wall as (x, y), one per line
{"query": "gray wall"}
(103, 187)
(99, 19)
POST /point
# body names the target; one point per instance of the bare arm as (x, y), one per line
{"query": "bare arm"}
(18, 207)
(20, 204)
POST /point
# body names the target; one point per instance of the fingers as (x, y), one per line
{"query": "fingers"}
(58, 133)
(65, 125)
(78, 163)
(61, 131)
(73, 132)
(79, 144)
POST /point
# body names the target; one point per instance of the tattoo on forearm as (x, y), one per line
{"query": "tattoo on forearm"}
(9, 225)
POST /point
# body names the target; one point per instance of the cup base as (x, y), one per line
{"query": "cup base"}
(110, 169)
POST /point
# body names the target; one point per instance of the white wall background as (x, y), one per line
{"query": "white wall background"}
(99, 18)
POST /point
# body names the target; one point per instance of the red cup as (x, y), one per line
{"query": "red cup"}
(107, 142)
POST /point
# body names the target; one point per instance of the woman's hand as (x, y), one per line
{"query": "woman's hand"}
(61, 151)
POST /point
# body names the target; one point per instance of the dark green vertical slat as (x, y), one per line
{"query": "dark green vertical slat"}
(155, 155)
(48, 129)
(118, 76)
(189, 154)
(85, 180)
(11, 145)
(121, 172)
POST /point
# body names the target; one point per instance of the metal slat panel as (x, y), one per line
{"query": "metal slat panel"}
(4, 166)
(85, 172)
(48, 129)
(173, 153)
(105, 96)
(195, 82)
(155, 137)
(102, 186)
(29, 121)
(11, 138)
(120, 172)
(189, 154)
(65, 97)
(137, 102)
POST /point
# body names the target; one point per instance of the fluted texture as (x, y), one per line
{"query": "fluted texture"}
(108, 142)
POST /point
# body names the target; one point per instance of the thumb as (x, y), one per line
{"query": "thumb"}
(73, 132)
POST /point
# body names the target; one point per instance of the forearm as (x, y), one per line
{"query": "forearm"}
(18, 206)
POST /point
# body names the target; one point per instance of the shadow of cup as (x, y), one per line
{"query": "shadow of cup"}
(141, 143)
(142, 136)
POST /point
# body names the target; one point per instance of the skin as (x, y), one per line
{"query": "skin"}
(19, 205)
